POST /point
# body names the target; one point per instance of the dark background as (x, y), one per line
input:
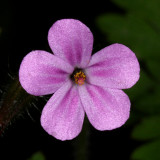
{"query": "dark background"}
(24, 27)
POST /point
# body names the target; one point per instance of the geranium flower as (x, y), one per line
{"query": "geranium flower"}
(81, 83)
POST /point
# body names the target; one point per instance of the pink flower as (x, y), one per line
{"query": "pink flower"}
(81, 83)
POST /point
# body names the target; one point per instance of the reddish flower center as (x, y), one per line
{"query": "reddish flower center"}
(79, 78)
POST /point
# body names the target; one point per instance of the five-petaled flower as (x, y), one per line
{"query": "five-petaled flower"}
(81, 83)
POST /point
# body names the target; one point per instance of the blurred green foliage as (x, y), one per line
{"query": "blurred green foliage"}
(37, 156)
(148, 129)
(138, 27)
(148, 151)
(133, 31)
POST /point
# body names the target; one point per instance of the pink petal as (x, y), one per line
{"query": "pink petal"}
(115, 66)
(63, 115)
(72, 41)
(43, 73)
(106, 109)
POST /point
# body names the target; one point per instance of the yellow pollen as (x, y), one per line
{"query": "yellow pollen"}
(79, 78)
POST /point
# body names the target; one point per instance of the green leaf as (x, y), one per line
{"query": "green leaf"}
(37, 156)
(141, 87)
(150, 151)
(154, 66)
(132, 31)
(148, 10)
(150, 102)
(131, 5)
(133, 119)
(149, 128)
(139, 5)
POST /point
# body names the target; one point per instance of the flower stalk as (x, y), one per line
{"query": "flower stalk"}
(13, 103)
(81, 143)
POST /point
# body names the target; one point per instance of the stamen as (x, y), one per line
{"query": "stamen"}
(79, 78)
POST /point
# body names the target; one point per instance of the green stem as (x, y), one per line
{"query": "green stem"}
(81, 143)
(13, 102)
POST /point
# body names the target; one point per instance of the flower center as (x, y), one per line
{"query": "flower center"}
(78, 76)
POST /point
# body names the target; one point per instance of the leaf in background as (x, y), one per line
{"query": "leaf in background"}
(141, 87)
(37, 156)
(130, 5)
(150, 151)
(147, 9)
(154, 66)
(139, 5)
(131, 31)
(148, 129)
(150, 102)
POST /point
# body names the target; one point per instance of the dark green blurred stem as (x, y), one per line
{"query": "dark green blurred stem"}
(13, 102)
(81, 143)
